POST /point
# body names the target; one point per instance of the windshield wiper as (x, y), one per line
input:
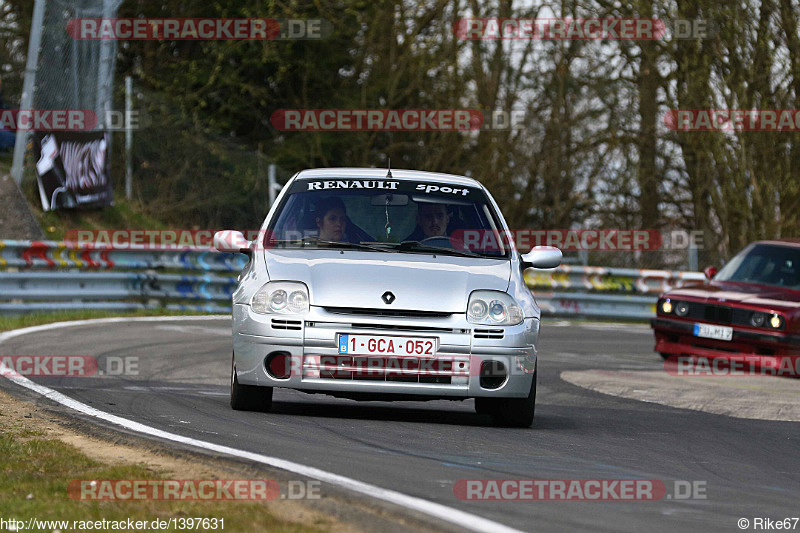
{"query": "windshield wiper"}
(416, 246)
(314, 240)
(355, 245)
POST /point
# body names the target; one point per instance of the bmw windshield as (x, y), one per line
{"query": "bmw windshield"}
(387, 215)
(766, 265)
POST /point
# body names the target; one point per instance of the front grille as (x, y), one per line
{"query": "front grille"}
(401, 313)
(402, 328)
(719, 314)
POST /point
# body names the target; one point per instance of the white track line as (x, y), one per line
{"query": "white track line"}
(442, 512)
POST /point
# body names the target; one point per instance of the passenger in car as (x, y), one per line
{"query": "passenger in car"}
(331, 219)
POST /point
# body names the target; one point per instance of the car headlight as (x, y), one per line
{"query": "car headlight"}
(666, 306)
(776, 321)
(681, 309)
(758, 319)
(281, 297)
(493, 308)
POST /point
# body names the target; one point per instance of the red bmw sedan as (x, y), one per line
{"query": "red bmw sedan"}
(749, 308)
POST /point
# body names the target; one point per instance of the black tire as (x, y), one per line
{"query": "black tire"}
(483, 406)
(510, 412)
(249, 397)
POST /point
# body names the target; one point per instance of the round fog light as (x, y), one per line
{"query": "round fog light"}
(278, 365)
(492, 374)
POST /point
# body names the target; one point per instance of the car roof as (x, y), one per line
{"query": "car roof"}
(795, 243)
(416, 175)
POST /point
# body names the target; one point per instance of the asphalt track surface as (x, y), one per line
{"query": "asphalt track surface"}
(749, 467)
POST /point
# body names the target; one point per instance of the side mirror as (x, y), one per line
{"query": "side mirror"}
(231, 241)
(542, 257)
(710, 272)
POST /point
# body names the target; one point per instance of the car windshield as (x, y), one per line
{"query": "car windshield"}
(387, 215)
(764, 264)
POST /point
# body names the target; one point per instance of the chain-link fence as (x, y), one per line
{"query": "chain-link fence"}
(75, 73)
(187, 176)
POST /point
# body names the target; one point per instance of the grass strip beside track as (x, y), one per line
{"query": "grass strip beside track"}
(9, 322)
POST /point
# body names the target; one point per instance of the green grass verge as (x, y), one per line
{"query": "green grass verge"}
(35, 472)
(121, 215)
(8, 322)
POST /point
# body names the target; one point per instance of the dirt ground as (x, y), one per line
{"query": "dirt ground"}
(16, 220)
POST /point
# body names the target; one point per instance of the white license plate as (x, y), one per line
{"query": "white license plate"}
(723, 333)
(387, 345)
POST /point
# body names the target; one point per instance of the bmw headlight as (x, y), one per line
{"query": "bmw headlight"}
(493, 308)
(758, 319)
(281, 297)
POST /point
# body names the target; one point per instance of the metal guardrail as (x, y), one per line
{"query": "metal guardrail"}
(113, 286)
(601, 279)
(59, 254)
(48, 275)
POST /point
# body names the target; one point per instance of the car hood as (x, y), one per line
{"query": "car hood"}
(740, 293)
(417, 281)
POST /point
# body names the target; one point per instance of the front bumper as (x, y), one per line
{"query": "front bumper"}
(676, 337)
(316, 366)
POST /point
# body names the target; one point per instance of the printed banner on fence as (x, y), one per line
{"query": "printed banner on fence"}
(72, 169)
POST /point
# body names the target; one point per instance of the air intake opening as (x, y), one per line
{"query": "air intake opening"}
(278, 365)
(493, 374)
(294, 325)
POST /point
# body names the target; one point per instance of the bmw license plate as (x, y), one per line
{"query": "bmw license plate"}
(386, 345)
(709, 331)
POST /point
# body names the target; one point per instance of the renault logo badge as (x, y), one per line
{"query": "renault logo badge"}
(388, 297)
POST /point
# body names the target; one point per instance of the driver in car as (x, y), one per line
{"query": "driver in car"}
(432, 221)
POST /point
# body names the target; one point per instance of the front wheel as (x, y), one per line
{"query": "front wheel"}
(510, 412)
(249, 397)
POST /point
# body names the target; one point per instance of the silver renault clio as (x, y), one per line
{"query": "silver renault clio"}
(386, 285)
